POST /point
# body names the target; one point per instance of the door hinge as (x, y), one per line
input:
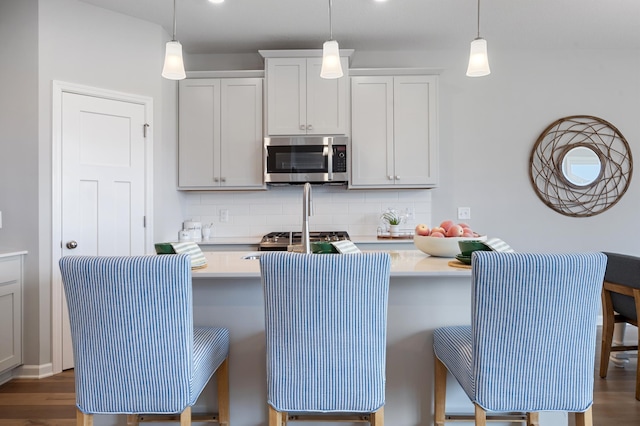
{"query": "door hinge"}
(145, 126)
(144, 221)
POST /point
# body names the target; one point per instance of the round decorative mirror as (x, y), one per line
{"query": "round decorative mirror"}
(580, 166)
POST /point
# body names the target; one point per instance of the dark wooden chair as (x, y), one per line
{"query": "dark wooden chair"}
(620, 304)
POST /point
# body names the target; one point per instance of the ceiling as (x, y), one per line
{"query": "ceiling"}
(243, 26)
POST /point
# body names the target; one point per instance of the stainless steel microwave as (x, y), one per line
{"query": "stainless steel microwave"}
(299, 159)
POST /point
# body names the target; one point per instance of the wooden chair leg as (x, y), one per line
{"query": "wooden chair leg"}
(275, 417)
(481, 416)
(439, 392)
(377, 417)
(584, 419)
(223, 392)
(83, 419)
(533, 419)
(608, 323)
(133, 420)
(185, 417)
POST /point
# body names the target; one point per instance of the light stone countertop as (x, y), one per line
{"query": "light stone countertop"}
(404, 263)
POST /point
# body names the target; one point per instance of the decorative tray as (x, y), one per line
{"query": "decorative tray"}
(400, 236)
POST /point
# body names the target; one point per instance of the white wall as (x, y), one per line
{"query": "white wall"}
(19, 152)
(82, 44)
(488, 127)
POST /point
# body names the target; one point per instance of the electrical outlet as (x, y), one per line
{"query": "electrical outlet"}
(224, 215)
(464, 213)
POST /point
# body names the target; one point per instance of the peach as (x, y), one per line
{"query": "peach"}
(438, 229)
(437, 234)
(423, 229)
(468, 233)
(455, 231)
(464, 225)
(446, 224)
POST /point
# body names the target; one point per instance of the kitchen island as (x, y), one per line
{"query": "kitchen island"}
(425, 293)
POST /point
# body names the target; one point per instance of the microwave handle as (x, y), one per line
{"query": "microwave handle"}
(330, 160)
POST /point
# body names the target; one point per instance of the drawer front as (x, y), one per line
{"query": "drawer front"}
(10, 270)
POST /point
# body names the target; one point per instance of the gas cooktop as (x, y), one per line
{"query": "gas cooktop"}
(278, 241)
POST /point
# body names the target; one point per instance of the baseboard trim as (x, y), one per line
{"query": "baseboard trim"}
(33, 371)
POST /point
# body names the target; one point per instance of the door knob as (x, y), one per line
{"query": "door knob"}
(71, 245)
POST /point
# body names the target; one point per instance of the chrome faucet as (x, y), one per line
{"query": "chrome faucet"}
(307, 210)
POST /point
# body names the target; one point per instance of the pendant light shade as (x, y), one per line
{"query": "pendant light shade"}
(173, 63)
(331, 66)
(478, 58)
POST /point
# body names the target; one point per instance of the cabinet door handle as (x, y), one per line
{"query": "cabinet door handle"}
(390, 177)
(71, 245)
(397, 177)
(215, 179)
(302, 127)
(309, 127)
(223, 179)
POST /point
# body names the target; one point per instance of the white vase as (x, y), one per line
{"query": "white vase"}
(394, 230)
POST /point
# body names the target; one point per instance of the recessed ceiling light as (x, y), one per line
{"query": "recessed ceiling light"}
(216, 1)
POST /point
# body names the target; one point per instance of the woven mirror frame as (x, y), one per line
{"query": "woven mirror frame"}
(580, 166)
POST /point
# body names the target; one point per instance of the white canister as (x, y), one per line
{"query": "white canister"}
(184, 235)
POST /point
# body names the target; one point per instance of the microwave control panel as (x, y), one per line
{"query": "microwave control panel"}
(340, 159)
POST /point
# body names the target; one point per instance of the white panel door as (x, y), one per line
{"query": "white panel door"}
(103, 182)
(286, 96)
(326, 100)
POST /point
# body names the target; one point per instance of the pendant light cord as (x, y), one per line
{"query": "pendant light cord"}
(478, 18)
(330, 23)
(174, 20)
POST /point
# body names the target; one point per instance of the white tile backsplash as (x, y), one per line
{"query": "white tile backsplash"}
(255, 213)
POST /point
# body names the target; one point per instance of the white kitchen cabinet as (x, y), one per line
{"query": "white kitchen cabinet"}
(220, 134)
(299, 102)
(11, 271)
(394, 134)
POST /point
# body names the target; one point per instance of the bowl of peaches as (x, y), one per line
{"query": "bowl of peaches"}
(442, 240)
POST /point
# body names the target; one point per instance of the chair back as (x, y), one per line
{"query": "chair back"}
(534, 329)
(623, 269)
(325, 325)
(132, 332)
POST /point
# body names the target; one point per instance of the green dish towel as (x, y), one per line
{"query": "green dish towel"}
(197, 257)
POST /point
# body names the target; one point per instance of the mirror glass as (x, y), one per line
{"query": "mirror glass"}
(581, 166)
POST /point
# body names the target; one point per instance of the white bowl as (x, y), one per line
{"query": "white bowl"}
(442, 247)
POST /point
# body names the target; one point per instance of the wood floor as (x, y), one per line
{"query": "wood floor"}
(51, 401)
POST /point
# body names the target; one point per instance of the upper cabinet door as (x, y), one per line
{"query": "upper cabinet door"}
(415, 130)
(241, 146)
(199, 132)
(299, 102)
(326, 100)
(372, 131)
(286, 96)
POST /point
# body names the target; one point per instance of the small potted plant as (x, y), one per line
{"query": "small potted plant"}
(394, 219)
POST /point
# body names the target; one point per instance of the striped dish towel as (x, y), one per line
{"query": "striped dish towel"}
(496, 244)
(197, 257)
(345, 247)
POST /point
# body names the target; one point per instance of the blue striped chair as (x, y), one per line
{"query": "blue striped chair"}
(528, 312)
(135, 347)
(325, 325)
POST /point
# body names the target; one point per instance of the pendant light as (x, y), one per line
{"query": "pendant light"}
(478, 59)
(331, 67)
(173, 64)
